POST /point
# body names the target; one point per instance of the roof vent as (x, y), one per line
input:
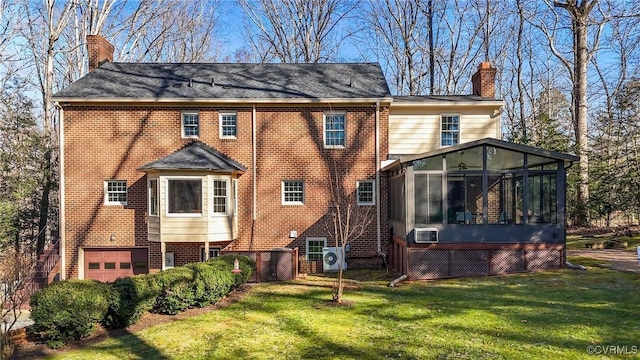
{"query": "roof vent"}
(190, 82)
(350, 82)
(177, 85)
(213, 83)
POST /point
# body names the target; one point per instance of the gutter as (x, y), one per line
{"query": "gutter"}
(223, 101)
(62, 222)
(254, 185)
(378, 176)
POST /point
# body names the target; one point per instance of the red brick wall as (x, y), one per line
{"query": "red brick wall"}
(109, 142)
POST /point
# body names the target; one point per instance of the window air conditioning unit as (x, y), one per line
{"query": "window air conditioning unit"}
(330, 258)
(426, 235)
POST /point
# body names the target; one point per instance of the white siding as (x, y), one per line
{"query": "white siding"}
(173, 228)
(415, 130)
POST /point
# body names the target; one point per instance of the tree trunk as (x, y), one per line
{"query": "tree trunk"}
(580, 87)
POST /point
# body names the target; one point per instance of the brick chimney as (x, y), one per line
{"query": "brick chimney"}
(100, 51)
(484, 81)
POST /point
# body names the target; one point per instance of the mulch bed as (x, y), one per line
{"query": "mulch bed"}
(35, 349)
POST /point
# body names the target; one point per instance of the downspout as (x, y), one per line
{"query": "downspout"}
(62, 223)
(254, 185)
(378, 176)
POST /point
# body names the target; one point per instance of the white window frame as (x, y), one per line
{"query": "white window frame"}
(227, 197)
(442, 117)
(324, 129)
(373, 192)
(107, 192)
(182, 124)
(221, 125)
(168, 192)
(309, 239)
(151, 213)
(234, 183)
(218, 249)
(284, 202)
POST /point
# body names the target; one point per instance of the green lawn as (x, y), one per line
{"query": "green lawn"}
(544, 315)
(578, 242)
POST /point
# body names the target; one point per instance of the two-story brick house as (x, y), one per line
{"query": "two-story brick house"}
(166, 164)
(187, 159)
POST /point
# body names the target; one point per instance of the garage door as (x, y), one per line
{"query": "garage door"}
(110, 264)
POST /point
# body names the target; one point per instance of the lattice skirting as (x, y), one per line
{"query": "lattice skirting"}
(443, 263)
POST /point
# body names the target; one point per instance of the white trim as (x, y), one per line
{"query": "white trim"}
(218, 248)
(306, 254)
(106, 193)
(234, 192)
(149, 180)
(226, 101)
(225, 113)
(373, 193)
(324, 129)
(447, 103)
(189, 112)
(292, 202)
(63, 208)
(459, 129)
(167, 192)
(227, 205)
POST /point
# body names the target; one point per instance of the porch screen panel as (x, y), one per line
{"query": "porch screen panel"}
(428, 198)
(542, 190)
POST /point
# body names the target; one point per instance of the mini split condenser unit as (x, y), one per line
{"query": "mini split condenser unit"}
(331, 257)
(426, 235)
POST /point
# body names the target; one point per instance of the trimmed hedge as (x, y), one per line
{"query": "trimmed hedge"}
(132, 296)
(69, 309)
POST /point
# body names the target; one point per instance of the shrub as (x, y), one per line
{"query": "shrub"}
(69, 309)
(212, 281)
(247, 265)
(131, 297)
(176, 290)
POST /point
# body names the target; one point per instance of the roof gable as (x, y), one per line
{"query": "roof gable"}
(195, 155)
(217, 81)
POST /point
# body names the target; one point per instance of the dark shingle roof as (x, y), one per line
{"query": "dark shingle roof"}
(175, 81)
(195, 156)
(567, 158)
(439, 99)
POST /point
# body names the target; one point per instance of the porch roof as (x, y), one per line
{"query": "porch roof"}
(195, 155)
(567, 158)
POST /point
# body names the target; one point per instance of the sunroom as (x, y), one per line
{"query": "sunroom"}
(192, 203)
(483, 196)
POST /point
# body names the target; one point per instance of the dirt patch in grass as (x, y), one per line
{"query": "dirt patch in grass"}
(35, 349)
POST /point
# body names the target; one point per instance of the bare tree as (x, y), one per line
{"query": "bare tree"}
(581, 52)
(14, 274)
(395, 32)
(348, 221)
(293, 31)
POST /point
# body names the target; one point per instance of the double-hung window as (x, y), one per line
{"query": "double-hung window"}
(115, 192)
(314, 248)
(366, 192)
(293, 192)
(335, 124)
(228, 125)
(153, 197)
(184, 197)
(450, 130)
(220, 201)
(190, 124)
